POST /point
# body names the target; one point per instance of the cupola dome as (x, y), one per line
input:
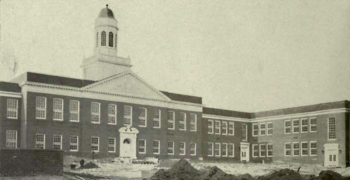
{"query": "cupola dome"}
(106, 13)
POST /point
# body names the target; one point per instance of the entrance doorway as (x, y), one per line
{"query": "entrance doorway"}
(244, 152)
(127, 147)
(331, 155)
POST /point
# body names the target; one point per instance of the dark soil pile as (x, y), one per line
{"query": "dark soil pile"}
(180, 171)
(214, 173)
(89, 165)
(283, 174)
(329, 175)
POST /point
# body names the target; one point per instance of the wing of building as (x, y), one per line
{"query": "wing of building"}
(115, 113)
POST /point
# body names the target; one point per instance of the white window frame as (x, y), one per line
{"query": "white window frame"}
(10, 109)
(171, 121)
(98, 114)
(211, 127)
(184, 148)
(255, 149)
(40, 108)
(307, 148)
(267, 128)
(246, 132)
(156, 148)
(114, 145)
(40, 142)
(307, 125)
(171, 148)
(224, 128)
(226, 145)
(191, 122)
(73, 144)
(262, 129)
(127, 116)
(143, 118)
(294, 127)
(310, 148)
(195, 149)
(57, 143)
(233, 128)
(144, 147)
(95, 145)
(310, 125)
(112, 115)
(329, 130)
(212, 149)
(157, 119)
(258, 129)
(260, 150)
(183, 122)
(73, 111)
(285, 150)
(11, 143)
(296, 149)
(60, 111)
(285, 127)
(233, 149)
(219, 150)
(267, 150)
(219, 127)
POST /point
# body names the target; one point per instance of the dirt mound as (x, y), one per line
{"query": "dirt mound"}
(329, 175)
(181, 170)
(213, 173)
(89, 165)
(283, 174)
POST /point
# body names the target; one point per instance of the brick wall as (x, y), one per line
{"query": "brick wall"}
(25, 162)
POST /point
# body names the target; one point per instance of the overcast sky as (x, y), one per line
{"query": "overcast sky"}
(244, 55)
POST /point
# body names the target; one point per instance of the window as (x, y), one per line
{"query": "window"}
(313, 125)
(40, 111)
(193, 149)
(262, 129)
(11, 139)
(269, 128)
(296, 149)
(287, 149)
(217, 127)
(182, 121)
(40, 141)
(224, 128)
(142, 117)
(74, 143)
(304, 149)
(116, 41)
(57, 109)
(269, 150)
(304, 125)
(171, 120)
(171, 148)
(182, 148)
(224, 149)
(127, 115)
(110, 39)
(287, 127)
(156, 118)
(331, 129)
(12, 108)
(262, 148)
(57, 142)
(231, 127)
(74, 110)
(193, 122)
(231, 150)
(313, 148)
(112, 114)
(255, 150)
(255, 129)
(210, 126)
(95, 112)
(217, 149)
(96, 39)
(142, 146)
(296, 126)
(210, 149)
(103, 38)
(156, 147)
(111, 145)
(95, 144)
(244, 132)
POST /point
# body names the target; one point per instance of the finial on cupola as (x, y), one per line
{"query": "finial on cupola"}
(107, 6)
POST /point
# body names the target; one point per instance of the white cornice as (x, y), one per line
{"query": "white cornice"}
(210, 116)
(10, 94)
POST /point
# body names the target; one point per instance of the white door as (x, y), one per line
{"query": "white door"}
(244, 152)
(126, 148)
(127, 145)
(331, 155)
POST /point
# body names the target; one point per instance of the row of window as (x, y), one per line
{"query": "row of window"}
(262, 129)
(303, 148)
(112, 114)
(262, 150)
(221, 127)
(170, 149)
(220, 149)
(104, 37)
(303, 125)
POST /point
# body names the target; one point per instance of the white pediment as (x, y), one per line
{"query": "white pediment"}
(128, 84)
